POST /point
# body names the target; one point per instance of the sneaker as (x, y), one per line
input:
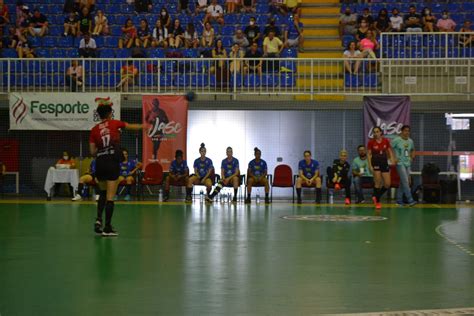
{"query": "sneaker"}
(347, 201)
(98, 227)
(166, 198)
(209, 199)
(399, 204)
(378, 206)
(247, 200)
(188, 199)
(267, 200)
(337, 187)
(77, 197)
(298, 201)
(412, 203)
(97, 197)
(109, 232)
(127, 197)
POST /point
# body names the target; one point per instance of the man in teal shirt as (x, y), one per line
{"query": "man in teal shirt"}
(404, 151)
(361, 173)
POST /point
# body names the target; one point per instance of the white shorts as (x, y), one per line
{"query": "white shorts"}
(293, 42)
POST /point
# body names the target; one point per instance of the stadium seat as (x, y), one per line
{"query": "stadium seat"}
(107, 53)
(370, 80)
(111, 41)
(289, 64)
(289, 53)
(156, 53)
(262, 19)
(270, 80)
(252, 81)
(166, 80)
(230, 19)
(287, 80)
(352, 81)
(227, 41)
(228, 30)
(49, 41)
(199, 81)
(237, 81)
(65, 42)
(262, 8)
(9, 53)
(122, 53)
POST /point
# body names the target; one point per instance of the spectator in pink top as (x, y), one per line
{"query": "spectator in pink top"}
(369, 44)
(446, 24)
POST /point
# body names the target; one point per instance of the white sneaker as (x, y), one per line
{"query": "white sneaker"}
(97, 197)
(77, 198)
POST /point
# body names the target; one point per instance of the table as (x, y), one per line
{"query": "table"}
(17, 180)
(54, 175)
(445, 173)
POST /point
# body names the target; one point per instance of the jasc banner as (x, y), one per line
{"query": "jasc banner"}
(56, 111)
(389, 113)
(165, 120)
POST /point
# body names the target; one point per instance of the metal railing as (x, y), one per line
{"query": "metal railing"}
(427, 45)
(278, 76)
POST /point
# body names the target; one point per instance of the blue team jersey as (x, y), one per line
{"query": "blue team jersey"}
(203, 167)
(178, 168)
(292, 31)
(230, 167)
(127, 167)
(308, 170)
(92, 167)
(258, 168)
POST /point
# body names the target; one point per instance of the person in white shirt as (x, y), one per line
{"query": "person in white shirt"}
(396, 20)
(201, 6)
(352, 65)
(214, 13)
(87, 47)
(160, 35)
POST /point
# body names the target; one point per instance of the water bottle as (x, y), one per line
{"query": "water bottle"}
(201, 196)
(257, 198)
(160, 195)
(228, 197)
(331, 197)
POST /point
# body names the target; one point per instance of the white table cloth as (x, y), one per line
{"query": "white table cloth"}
(54, 175)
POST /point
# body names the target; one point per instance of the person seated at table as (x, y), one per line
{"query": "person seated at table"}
(87, 178)
(338, 175)
(66, 162)
(178, 174)
(128, 170)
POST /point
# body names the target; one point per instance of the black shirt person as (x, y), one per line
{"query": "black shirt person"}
(156, 117)
(339, 174)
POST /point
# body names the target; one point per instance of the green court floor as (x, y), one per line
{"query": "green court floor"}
(177, 259)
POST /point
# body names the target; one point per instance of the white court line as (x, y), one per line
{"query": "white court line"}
(439, 231)
(452, 311)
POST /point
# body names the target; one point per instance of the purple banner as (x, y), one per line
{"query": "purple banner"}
(389, 113)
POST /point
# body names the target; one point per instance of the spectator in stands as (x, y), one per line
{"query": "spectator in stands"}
(413, 21)
(183, 7)
(207, 36)
(276, 7)
(66, 159)
(176, 35)
(24, 50)
(366, 16)
(292, 6)
(240, 39)
(143, 6)
(4, 16)
(87, 47)
(466, 39)
(11, 40)
(191, 39)
(74, 76)
(128, 75)
(271, 27)
(71, 25)
(254, 64)
(143, 34)
(294, 34)
(272, 46)
(165, 18)
(129, 34)
(201, 6)
(22, 14)
(362, 30)
(347, 23)
(236, 52)
(446, 24)
(361, 173)
(85, 21)
(219, 52)
(101, 24)
(382, 23)
(89, 4)
(248, 6)
(38, 24)
(429, 20)
(369, 45)
(232, 5)
(252, 31)
(352, 66)
(71, 6)
(160, 35)
(215, 13)
(396, 21)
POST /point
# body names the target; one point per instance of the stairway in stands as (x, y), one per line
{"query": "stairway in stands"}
(321, 20)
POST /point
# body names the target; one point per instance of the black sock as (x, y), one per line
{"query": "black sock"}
(167, 192)
(189, 191)
(298, 193)
(80, 188)
(318, 194)
(382, 191)
(128, 189)
(235, 193)
(101, 204)
(109, 211)
(374, 193)
(267, 195)
(216, 191)
(377, 194)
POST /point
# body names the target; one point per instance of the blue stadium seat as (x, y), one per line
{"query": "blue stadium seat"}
(270, 80)
(100, 41)
(227, 41)
(244, 19)
(49, 41)
(72, 53)
(230, 19)
(262, 8)
(287, 80)
(238, 81)
(9, 53)
(453, 53)
(55, 30)
(166, 80)
(35, 41)
(370, 80)
(116, 30)
(252, 81)
(352, 81)
(262, 19)
(148, 80)
(228, 30)
(202, 66)
(156, 53)
(65, 42)
(107, 53)
(111, 41)
(289, 53)
(169, 66)
(290, 64)
(467, 52)
(122, 53)
(199, 80)
(111, 80)
(191, 53)
(346, 39)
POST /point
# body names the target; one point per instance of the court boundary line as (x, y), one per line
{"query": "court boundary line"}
(449, 311)
(439, 231)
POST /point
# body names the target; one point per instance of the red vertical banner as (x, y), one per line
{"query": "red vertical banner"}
(165, 120)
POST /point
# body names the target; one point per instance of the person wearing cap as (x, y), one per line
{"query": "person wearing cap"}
(338, 175)
(257, 175)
